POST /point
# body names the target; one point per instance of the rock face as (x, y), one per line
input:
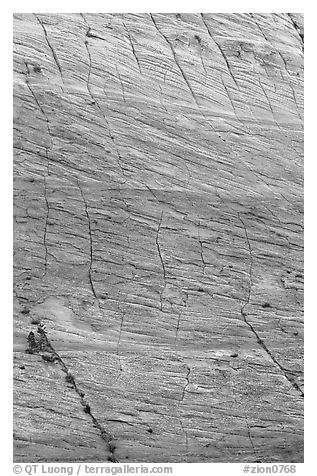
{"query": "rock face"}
(158, 237)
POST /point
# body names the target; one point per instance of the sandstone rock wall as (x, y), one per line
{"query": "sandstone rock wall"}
(159, 237)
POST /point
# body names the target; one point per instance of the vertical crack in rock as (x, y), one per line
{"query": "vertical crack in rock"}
(250, 267)
(203, 62)
(132, 46)
(50, 47)
(90, 241)
(48, 162)
(163, 105)
(180, 314)
(176, 60)
(245, 315)
(185, 433)
(161, 258)
(179, 318)
(220, 49)
(119, 340)
(34, 96)
(296, 104)
(177, 327)
(45, 225)
(47, 122)
(201, 250)
(179, 403)
(251, 442)
(186, 384)
(49, 353)
(89, 65)
(96, 102)
(198, 39)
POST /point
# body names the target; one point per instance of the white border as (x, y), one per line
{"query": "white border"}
(164, 6)
(310, 198)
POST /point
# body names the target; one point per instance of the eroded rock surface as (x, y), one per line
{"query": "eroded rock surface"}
(158, 236)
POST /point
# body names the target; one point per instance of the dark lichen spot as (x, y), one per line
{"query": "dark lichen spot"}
(178, 16)
(35, 320)
(111, 446)
(37, 69)
(200, 290)
(33, 345)
(112, 459)
(87, 408)
(197, 37)
(22, 367)
(25, 311)
(70, 379)
(49, 357)
(149, 430)
(266, 304)
(234, 355)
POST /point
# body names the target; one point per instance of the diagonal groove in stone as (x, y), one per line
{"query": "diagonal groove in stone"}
(50, 47)
(220, 49)
(46, 344)
(132, 46)
(245, 318)
(170, 44)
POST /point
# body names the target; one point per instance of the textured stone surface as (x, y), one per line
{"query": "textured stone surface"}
(158, 236)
